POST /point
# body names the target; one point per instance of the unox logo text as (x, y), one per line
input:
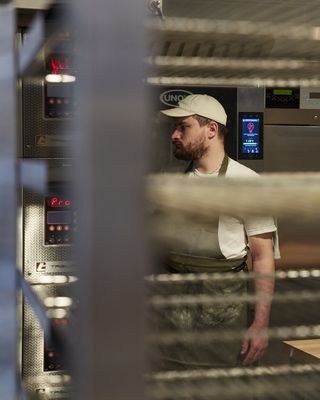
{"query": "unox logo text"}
(173, 96)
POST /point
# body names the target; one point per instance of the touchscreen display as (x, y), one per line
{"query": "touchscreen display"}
(251, 136)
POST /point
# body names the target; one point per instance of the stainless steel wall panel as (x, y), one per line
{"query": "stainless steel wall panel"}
(291, 148)
(289, 117)
(42, 263)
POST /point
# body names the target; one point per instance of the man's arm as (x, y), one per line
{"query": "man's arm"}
(256, 340)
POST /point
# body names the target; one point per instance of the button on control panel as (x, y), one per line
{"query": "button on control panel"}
(59, 102)
(52, 359)
(60, 220)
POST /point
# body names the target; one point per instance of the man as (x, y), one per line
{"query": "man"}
(200, 128)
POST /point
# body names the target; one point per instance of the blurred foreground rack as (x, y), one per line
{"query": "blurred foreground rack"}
(235, 43)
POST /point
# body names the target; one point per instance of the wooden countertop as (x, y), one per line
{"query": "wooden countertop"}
(307, 351)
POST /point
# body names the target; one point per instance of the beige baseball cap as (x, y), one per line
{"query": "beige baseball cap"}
(201, 104)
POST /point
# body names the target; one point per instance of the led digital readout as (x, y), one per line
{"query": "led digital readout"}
(250, 135)
(283, 92)
(59, 217)
(56, 202)
(58, 63)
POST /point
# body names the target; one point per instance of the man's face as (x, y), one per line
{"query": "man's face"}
(189, 139)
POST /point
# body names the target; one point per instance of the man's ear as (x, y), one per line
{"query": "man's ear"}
(213, 129)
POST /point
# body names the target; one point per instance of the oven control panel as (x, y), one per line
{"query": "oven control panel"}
(60, 221)
(52, 358)
(282, 97)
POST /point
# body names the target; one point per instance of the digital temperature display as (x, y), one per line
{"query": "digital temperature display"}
(58, 202)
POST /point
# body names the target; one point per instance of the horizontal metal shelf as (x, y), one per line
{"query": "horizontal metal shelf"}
(237, 81)
(203, 26)
(233, 71)
(254, 11)
(237, 53)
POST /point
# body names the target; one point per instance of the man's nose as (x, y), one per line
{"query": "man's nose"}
(175, 134)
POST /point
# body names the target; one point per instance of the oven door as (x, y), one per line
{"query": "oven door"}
(291, 148)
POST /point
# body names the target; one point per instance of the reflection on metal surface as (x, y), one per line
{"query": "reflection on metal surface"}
(183, 278)
(57, 313)
(225, 27)
(58, 301)
(234, 372)
(271, 81)
(230, 63)
(57, 279)
(63, 378)
(166, 301)
(232, 71)
(206, 337)
(289, 382)
(60, 78)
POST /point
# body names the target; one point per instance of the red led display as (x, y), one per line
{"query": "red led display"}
(59, 63)
(60, 219)
(56, 202)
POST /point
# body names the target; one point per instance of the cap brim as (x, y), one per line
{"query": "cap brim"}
(176, 112)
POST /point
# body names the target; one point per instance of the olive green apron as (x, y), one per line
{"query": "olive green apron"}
(197, 319)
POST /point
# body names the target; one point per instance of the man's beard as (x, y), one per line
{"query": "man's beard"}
(191, 151)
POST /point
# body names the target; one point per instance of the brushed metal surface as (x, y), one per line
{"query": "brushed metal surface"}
(291, 148)
(286, 116)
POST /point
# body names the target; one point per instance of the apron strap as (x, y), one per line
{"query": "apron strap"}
(222, 170)
(224, 166)
(189, 168)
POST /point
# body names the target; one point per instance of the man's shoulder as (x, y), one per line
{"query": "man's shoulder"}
(236, 169)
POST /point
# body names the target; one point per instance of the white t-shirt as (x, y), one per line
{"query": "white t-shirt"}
(233, 232)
